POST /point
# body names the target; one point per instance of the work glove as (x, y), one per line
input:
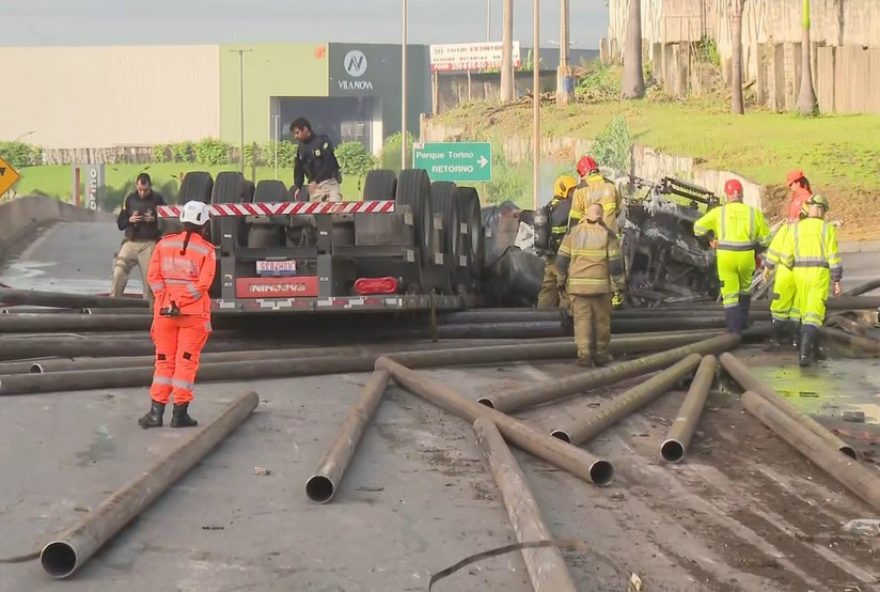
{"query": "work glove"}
(616, 299)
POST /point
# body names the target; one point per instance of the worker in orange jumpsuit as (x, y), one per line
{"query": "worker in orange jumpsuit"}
(800, 194)
(180, 274)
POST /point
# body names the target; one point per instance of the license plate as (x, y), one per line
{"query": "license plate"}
(276, 268)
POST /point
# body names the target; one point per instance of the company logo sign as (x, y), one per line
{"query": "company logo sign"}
(355, 63)
(276, 287)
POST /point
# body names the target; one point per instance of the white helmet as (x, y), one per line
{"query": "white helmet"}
(194, 212)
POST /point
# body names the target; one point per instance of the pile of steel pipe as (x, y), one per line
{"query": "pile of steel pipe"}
(268, 366)
(866, 344)
(750, 382)
(68, 551)
(42, 323)
(10, 296)
(576, 461)
(539, 394)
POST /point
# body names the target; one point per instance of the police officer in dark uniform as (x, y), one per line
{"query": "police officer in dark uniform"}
(315, 161)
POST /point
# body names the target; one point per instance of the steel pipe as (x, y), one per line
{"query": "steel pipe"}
(268, 366)
(42, 323)
(863, 288)
(10, 296)
(479, 317)
(557, 389)
(675, 446)
(575, 460)
(860, 480)
(66, 553)
(865, 344)
(749, 382)
(580, 429)
(546, 567)
(321, 487)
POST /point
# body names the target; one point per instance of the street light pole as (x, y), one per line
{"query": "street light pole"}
(275, 143)
(241, 53)
(403, 87)
(488, 20)
(562, 77)
(536, 103)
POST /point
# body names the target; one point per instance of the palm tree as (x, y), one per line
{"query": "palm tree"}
(807, 103)
(736, 27)
(633, 86)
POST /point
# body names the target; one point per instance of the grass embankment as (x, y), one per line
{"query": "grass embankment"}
(57, 180)
(839, 153)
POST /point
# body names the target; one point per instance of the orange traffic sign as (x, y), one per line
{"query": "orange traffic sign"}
(8, 176)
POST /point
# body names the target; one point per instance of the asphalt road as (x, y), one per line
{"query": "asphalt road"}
(743, 512)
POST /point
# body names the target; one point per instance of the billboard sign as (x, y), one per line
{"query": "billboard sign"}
(460, 57)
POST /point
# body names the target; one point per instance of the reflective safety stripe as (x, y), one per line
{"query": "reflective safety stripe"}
(179, 244)
(752, 224)
(775, 254)
(182, 384)
(599, 253)
(810, 262)
(166, 380)
(700, 230)
(559, 229)
(177, 282)
(157, 286)
(208, 326)
(736, 246)
(193, 291)
(588, 281)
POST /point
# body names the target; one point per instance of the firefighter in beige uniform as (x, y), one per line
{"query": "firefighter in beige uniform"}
(591, 267)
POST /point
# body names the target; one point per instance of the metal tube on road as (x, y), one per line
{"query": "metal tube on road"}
(66, 553)
(576, 461)
(41, 323)
(546, 567)
(321, 487)
(10, 296)
(557, 389)
(860, 480)
(268, 366)
(581, 429)
(477, 317)
(866, 344)
(749, 382)
(675, 446)
(863, 288)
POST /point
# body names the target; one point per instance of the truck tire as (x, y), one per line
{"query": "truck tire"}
(271, 192)
(380, 185)
(249, 191)
(229, 187)
(196, 186)
(443, 194)
(469, 212)
(414, 190)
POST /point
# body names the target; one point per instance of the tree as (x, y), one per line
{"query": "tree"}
(736, 29)
(633, 86)
(807, 103)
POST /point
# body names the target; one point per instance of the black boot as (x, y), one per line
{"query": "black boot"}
(806, 347)
(794, 328)
(777, 334)
(745, 301)
(818, 350)
(731, 319)
(180, 418)
(153, 418)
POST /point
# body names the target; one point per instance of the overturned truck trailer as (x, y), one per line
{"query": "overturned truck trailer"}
(664, 262)
(408, 245)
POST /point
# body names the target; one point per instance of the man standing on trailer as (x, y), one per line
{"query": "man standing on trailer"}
(141, 225)
(316, 161)
(181, 273)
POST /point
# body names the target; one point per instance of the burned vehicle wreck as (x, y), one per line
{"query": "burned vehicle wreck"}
(664, 262)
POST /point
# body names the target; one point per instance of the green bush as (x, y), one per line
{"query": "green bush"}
(286, 154)
(183, 152)
(601, 84)
(162, 153)
(210, 151)
(613, 146)
(390, 155)
(254, 155)
(354, 160)
(509, 181)
(20, 154)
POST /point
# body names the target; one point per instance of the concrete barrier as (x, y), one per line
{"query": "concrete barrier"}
(21, 216)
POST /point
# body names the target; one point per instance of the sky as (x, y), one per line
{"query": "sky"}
(185, 22)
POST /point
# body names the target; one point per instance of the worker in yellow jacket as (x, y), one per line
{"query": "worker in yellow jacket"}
(785, 316)
(811, 252)
(590, 265)
(556, 213)
(738, 232)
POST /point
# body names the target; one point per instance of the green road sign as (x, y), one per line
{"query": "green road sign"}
(462, 162)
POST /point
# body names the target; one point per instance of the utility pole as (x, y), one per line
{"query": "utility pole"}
(507, 52)
(536, 106)
(488, 21)
(403, 88)
(241, 53)
(563, 75)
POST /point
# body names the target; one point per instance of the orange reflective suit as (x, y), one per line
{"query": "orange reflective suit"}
(180, 274)
(797, 199)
